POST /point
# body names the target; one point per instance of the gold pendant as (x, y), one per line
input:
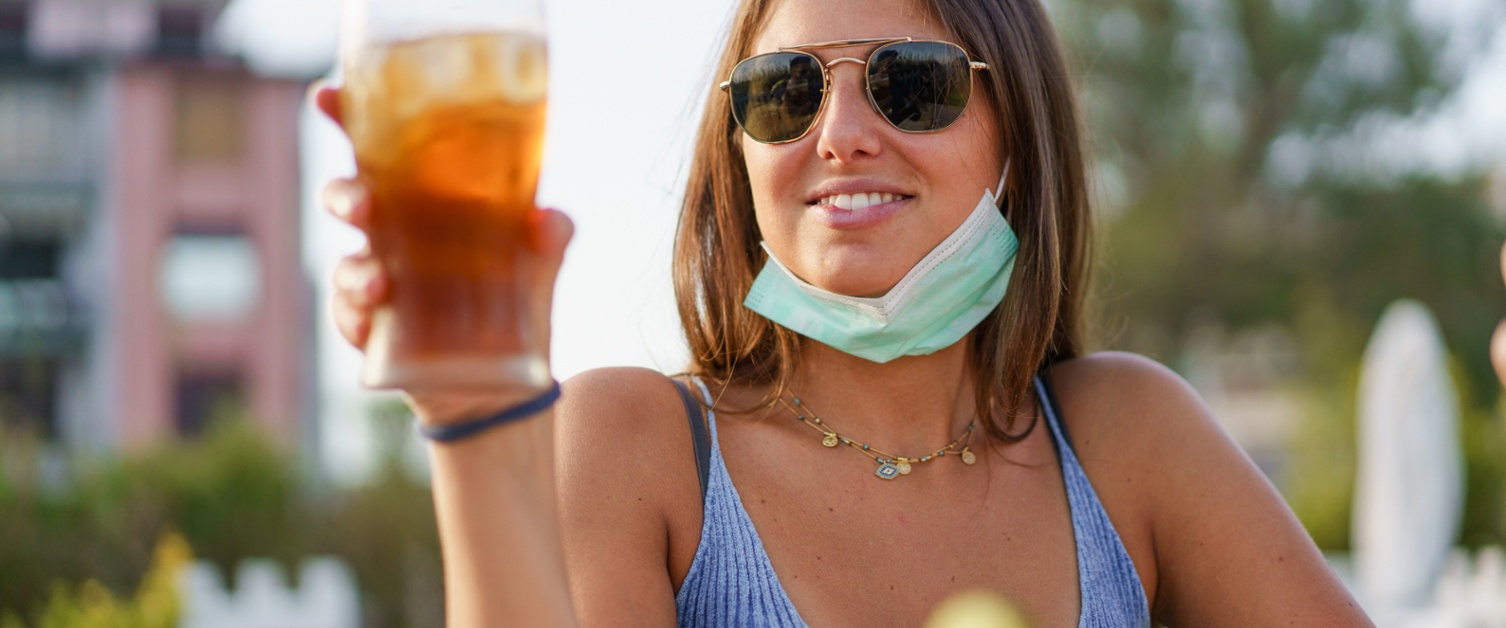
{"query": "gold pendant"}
(904, 467)
(968, 457)
(830, 440)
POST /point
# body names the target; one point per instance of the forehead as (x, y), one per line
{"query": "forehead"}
(796, 22)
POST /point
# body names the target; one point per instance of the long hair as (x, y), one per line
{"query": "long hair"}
(1040, 322)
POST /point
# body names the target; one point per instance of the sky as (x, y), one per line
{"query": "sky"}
(623, 106)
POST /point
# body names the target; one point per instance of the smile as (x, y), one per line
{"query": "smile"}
(860, 200)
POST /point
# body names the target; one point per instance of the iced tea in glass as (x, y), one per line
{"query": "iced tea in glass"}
(444, 103)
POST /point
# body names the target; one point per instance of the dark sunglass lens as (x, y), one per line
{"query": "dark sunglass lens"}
(775, 97)
(920, 86)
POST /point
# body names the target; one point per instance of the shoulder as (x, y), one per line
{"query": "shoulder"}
(1138, 421)
(629, 494)
(1129, 403)
(1140, 431)
(613, 413)
(1211, 537)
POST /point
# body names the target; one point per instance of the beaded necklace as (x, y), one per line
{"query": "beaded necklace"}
(890, 465)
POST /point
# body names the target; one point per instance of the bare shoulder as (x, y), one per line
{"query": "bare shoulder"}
(1212, 539)
(1129, 403)
(629, 493)
(610, 416)
(615, 398)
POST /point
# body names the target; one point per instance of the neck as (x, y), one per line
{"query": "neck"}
(908, 406)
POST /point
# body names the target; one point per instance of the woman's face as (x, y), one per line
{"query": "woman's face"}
(937, 178)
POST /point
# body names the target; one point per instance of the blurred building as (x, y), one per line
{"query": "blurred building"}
(149, 227)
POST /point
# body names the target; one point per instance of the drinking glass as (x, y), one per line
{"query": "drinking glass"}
(444, 103)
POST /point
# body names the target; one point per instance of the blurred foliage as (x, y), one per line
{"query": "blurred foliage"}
(92, 605)
(1242, 178)
(232, 495)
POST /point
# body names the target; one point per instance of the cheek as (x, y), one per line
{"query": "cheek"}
(768, 181)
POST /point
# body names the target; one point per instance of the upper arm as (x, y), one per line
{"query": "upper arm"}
(1227, 550)
(616, 440)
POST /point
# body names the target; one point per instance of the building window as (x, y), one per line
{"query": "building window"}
(208, 395)
(14, 18)
(210, 277)
(179, 31)
(24, 258)
(40, 128)
(28, 396)
(209, 121)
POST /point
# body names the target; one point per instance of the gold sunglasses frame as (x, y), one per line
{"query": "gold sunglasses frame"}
(826, 80)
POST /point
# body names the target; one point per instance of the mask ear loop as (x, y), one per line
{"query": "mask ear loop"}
(999, 194)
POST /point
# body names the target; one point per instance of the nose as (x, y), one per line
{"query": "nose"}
(847, 130)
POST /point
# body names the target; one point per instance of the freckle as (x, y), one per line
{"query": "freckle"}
(954, 579)
(818, 558)
(1280, 559)
(830, 509)
(891, 587)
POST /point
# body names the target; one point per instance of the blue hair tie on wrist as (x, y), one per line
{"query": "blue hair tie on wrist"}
(467, 429)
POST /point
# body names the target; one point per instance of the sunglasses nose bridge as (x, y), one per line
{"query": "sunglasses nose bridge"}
(834, 62)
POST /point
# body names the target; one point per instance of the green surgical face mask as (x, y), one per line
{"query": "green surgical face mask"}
(943, 297)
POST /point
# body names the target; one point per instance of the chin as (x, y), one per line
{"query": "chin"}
(864, 289)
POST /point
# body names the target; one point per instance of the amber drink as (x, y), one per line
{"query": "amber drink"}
(448, 131)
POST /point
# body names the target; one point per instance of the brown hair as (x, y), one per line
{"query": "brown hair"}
(1040, 322)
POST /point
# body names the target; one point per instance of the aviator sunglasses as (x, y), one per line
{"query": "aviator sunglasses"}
(918, 86)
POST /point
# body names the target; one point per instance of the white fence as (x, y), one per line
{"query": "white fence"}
(326, 596)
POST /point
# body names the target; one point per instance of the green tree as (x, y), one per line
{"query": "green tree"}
(1241, 179)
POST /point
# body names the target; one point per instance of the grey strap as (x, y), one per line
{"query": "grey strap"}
(698, 435)
(1053, 409)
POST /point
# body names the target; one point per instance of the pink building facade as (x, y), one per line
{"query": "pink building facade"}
(176, 243)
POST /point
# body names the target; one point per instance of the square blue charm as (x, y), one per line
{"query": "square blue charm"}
(887, 471)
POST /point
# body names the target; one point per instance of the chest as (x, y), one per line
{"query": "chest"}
(851, 549)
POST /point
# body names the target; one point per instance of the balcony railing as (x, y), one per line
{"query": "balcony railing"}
(39, 318)
(44, 160)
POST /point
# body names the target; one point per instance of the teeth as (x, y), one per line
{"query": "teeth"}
(861, 200)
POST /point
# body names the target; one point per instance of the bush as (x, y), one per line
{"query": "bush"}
(92, 605)
(232, 495)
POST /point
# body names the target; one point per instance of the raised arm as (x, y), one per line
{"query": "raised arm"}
(494, 493)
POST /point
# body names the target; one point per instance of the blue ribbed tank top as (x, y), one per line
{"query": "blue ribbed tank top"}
(732, 583)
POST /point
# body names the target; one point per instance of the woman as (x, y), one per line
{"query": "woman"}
(1118, 501)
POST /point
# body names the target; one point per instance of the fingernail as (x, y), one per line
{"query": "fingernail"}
(313, 91)
(342, 196)
(356, 279)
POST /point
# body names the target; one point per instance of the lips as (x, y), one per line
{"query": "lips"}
(833, 216)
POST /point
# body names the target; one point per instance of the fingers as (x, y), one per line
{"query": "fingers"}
(552, 231)
(1498, 342)
(348, 200)
(360, 285)
(354, 323)
(327, 99)
(1498, 352)
(361, 278)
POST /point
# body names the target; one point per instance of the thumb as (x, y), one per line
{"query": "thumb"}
(552, 231)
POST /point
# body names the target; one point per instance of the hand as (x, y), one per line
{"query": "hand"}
(361, 285)
(1498, 343)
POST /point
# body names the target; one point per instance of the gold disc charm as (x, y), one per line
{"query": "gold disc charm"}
(904, 467)
(968, 457)
(830, 440)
